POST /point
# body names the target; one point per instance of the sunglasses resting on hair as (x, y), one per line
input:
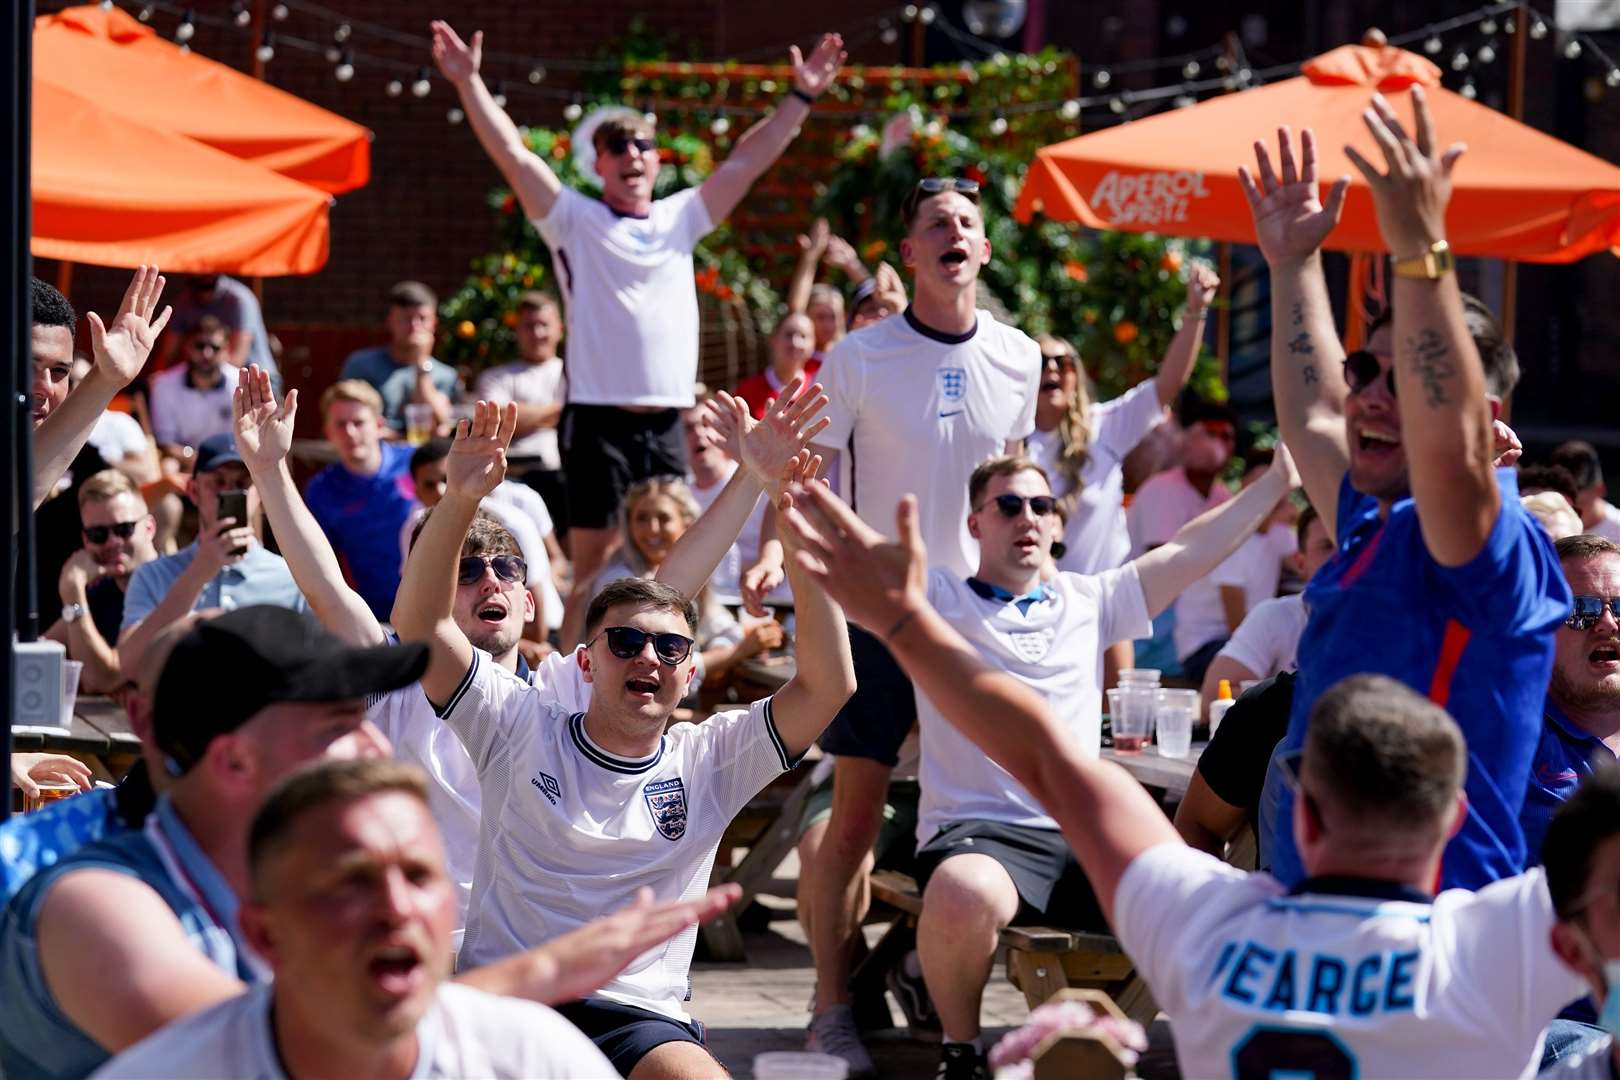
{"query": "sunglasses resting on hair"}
(626, 642)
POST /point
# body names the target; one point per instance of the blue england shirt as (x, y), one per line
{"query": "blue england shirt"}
(363, 516)
(1565, 755)
(1476, 639)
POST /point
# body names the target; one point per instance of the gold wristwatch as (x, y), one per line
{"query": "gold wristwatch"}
(1432, 265)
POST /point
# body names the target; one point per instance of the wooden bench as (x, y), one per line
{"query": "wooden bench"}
(1041, 960)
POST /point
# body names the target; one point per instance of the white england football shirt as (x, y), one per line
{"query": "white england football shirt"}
(570, 831)
(465, 1032)
(1267, 640)
(1255, 567)
(631, 301)
(407, 718)
(1053, 645)
(914, 410)
(1358, 979)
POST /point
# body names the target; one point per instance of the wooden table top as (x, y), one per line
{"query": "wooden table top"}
(1155, 770)
(99, 726)
(772, 672)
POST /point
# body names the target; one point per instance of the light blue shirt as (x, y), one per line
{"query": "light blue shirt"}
(261, 577)
(395, 381)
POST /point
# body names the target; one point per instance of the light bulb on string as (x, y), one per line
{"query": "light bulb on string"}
(909, 13)
(278, 12)
(1245, 76)
(187, 29)
(423, 84)
(240, 15)
(1612, 79)
(926, 14)
(333, 53)
(1116, 105)
(1433, 45)
(720, 125)
(497, 94)
(1101, 79)
(1538, 29)
(1190, 69)
(888, 35)
(1459, 61)
(1185, 101)
(455, 115)
(1511, 26)
(1468, 90)
(1572, 49)
(341, 34)
(145, 14)
(1486, 53)
(573, 111)
(394, 88)
(998, 125)
(1488, 26)
(266, 51)
(345, 69)
(537, 75)
(1070, 109)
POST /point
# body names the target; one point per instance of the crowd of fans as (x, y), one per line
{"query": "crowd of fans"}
(516, 590)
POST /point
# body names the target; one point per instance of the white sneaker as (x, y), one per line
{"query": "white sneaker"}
(833, 1032)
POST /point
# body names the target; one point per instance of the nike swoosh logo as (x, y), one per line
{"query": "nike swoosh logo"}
(958, 412)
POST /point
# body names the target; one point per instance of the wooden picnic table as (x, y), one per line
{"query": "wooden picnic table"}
(1153, 770)
(99, 726)
(768, 673)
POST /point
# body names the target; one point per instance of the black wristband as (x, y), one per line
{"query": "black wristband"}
(802, 96)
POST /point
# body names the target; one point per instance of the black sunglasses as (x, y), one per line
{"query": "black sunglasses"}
(627, 643)
(1013, 505)
(508, 568)
(618, 144)
(206, 346)
(1587, 611)
(933, 185)
(1361, 370)
(1061, 361)
(98, 534)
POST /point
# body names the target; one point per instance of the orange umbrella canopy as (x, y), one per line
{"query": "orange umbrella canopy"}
(109, 58)
(111, 191)
(1518, 194)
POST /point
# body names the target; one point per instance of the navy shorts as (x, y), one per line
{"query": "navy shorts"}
(880, 714)
(606, 449)
(624, 1033)
(1052, 889)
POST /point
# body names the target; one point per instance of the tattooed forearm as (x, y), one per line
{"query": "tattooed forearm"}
(1298, 313)
(1431, 361)
(1308, 373)
(1300, 345)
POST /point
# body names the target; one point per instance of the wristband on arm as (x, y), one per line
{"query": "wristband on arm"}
(802, 96)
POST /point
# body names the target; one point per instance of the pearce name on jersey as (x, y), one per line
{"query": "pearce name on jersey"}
(1287, 980)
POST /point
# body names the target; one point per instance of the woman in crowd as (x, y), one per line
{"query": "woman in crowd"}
(793, 347)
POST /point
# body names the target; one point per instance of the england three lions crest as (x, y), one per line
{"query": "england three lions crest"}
(667, 801)
(1031, 645)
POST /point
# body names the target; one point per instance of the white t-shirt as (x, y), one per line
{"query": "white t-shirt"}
(406, 717)
(725, 583)
(1258, 981)
(116, 436)
(1268, 638)
(916, 411)
(1608, 526)
(183, 415)
(570, 831)
(1163, 504)
(631, 300)
(528, 384)
(1053, 645)
(1256, 566)
(523, 513)
(465, 1032)
(1096, 535)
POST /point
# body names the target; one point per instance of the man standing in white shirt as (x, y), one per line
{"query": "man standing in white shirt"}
(535, 380)
(624, 264)
(351, 909)
(1357, 971)
(916, 402)
(986, 850)
(1599, 516)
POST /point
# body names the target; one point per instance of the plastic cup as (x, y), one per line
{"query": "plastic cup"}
(418, 423)
(1174, 716)
(1130, 709)
(71, 670)
(1248, 684)
(799, 1065)
(1145, 676)
(49, 792)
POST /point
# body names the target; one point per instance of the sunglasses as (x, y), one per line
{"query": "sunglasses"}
(1588, 611)
(627, 643)
(508, 568)
(1361, 370)
(935, 185)
(619, 144)
(206, 346)
(1013, 505)
(1061, 361)
(98, 534)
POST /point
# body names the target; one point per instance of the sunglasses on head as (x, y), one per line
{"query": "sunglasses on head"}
(618, 144)
(1587, 611)
(98, 534)
(1013, 505)
(1361, 370)
(627, 643)
(936, 185)
(508, 568)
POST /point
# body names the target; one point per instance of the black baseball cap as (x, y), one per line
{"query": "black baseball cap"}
(228, 668)
(217, 450)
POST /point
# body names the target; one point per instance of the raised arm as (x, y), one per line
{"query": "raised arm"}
(120, 352)
(1177, 366)
(1200, 545)
(1307, 377)
(424, 604)
(1446, 417)
(264, 435)
(812, 246)
(1106, 816)
(763, 143)
(532, 180)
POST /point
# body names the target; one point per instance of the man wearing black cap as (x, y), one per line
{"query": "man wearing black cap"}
(225, 567)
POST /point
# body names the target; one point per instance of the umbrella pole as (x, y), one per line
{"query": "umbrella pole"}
(1223, 312)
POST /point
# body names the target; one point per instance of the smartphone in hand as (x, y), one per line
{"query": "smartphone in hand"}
(233, 504)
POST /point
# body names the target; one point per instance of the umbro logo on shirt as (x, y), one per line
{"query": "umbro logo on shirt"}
(548, 787)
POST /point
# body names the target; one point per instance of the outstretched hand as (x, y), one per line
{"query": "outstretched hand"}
(458, 60)
(814, 242)
(1290, 219)
(877, 582)
(1202, 284)
(766, 447)
(1411, 198)
(264, 432)
(1507, 449)
(122, 348)
(813, 74)
(477, 461)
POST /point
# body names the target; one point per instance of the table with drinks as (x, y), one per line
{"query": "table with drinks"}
(1152, 729)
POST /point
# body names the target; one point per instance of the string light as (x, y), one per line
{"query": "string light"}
(1468, 90)
(1070, 109)
(1433, 45)
(184, 32)
(266, 51)
(720, 125)
(1116, 105)
(394, 88)
(455, 116)
(345, 69)
(1486, 54)
(1572, 49)
(888, 35)
(145, 14)
(240, 14)
(341, 34)
(1101, 79)
(1538, 29)
(1488, 26)
(423, 83)
(926, 14)
(537, 75)
(278, 12)
(909, 13)
(1459, 61)
(1612, 79)
(1185, 101)
(498, 94)
(573, 111)
(1191, 69)
(998, 125)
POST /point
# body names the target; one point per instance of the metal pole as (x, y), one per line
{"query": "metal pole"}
(1515, 107)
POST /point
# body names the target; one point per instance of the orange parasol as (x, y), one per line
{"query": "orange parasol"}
(110, 191)
(1519, 194)
(108, 58)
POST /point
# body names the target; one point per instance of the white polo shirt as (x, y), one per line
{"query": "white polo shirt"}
(528, 384)
(1053, 644)
(1267, 641)
(627, 284)
(185, 415)
(1255, 567)
(914, 410)
(1352, 978)
(465, 1032)
(570, 831)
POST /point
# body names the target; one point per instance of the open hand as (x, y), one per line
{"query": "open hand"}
(1290, 220)
(815, 241)
(840, 255)
(1202, 284)
(264, 431)
(876, 581)
(1507, 449)
(28, 771)
(477, 461)
(766, 448)
(1411, 198)
(813, 74)
(122, 348)
(1282, 463)
(458, 60)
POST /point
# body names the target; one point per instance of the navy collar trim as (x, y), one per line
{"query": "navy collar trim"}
(1370, 888)
(523, 671)
(985, 590)
(625, 213)
(939, 335)
(602, 759)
